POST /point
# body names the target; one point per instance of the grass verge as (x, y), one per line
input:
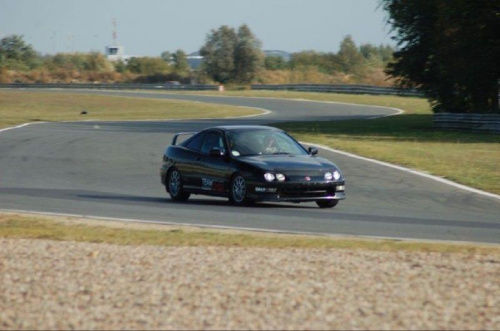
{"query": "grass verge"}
(409, 139)
(17, 107)
(74, 229)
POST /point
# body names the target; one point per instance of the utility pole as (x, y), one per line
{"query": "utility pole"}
(115, 34)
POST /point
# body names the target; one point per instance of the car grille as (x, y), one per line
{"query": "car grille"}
(307, 191)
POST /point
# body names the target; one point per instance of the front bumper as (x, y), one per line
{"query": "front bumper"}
(296, 192)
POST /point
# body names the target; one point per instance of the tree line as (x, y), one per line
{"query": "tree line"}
(231, 56)
(350, 59)
(236, 57)
(21, 61)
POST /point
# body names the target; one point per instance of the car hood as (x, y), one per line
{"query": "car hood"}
(286, 163)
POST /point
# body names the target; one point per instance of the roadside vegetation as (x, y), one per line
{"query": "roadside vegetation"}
(233, 57)
(17, 107)
(73, 229)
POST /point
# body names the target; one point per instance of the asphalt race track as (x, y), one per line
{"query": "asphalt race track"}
(111, 169)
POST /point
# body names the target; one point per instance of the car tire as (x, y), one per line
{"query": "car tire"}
(174, 183)
(238, 191)
(327, 203)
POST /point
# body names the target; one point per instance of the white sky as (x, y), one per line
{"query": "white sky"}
(149, 27)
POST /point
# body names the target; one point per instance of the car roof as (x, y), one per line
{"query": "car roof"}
(244, 128)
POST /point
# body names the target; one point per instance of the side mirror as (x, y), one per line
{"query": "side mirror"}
(312, 150)
(216, 152)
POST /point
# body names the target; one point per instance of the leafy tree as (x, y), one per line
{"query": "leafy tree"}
(386, 53)
(230, 56)
(120, 66)
(167, 57)
(248, 56)
(218, 53)
(450, 50)
(93, 61)
(147, 65)
(97, 62)
(371, 55)
(330, 62)
(16, 54)
(181, 64)
(349, 57)
(305, 58)
(368, 51)
(324, 62)
(275, 62)
(376, 56)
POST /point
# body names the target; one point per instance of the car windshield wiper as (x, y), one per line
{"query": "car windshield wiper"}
(282, 153)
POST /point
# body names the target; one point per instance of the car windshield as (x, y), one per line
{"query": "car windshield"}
(262, 142)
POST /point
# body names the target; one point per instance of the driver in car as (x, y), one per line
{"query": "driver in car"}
(270, 145)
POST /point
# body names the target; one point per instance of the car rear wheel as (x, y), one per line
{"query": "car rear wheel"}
(175, 186)
(327, 203)
(238, 192)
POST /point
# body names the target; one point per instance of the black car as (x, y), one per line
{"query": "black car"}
(249, 164)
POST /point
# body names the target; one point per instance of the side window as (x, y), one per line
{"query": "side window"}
(194, 143)
(212, 140)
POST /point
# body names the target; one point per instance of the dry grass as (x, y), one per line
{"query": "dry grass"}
(18, 107)
(92, 230)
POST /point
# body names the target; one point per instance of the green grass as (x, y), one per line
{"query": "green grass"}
(15, 226)
(409, 139)
(17, 107)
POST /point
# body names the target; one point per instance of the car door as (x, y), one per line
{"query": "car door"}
(215, 170)
(191, 166)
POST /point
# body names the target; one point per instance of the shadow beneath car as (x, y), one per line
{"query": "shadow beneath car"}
(225, 203)
(214, 202)
(282, 212)
(208, 201)
(129, 198)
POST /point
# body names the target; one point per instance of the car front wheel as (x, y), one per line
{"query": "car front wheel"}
(175, 186)
(238, 193)
(327, 203)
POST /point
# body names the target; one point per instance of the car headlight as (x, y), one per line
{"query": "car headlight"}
(336, 175)
(328, 176)
(269, 176)
(280, 177)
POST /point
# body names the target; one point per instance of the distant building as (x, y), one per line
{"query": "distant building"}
(117, 53)
(194, 60)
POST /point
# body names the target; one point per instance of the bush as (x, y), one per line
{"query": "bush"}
(148, 66)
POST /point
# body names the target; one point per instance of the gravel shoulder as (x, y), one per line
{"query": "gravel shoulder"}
(66, 285)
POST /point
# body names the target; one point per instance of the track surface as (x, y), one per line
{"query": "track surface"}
(111, 169)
